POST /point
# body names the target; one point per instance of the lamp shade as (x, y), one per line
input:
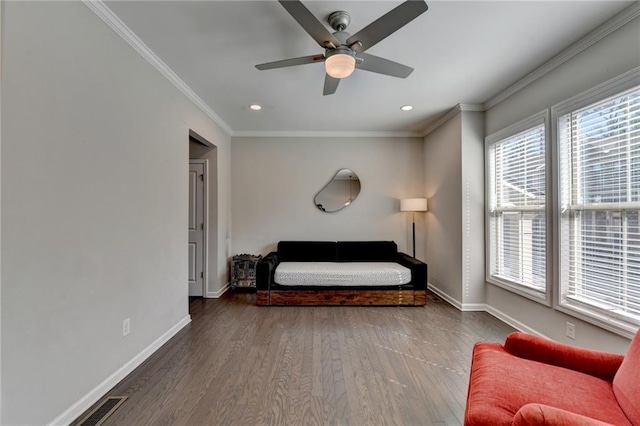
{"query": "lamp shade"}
(413, 205)
(340, 65)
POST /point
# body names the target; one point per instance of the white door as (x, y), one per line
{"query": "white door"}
(197, 206)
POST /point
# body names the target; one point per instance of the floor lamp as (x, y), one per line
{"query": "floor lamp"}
(413, 205)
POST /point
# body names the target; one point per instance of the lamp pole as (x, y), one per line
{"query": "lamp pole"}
(413, 219)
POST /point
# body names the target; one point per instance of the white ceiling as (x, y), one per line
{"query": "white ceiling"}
(462, 51)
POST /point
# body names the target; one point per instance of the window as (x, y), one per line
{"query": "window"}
(599, 181)
(516, 199)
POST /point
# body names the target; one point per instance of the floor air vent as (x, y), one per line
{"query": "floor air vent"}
(98, 415)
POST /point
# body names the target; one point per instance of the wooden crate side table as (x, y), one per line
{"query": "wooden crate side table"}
(243, 271)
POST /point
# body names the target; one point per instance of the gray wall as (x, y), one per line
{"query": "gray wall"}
(276, 179)
(472, 159)
(454, 176)
(614, 55)
(94, 205)
(443, 183)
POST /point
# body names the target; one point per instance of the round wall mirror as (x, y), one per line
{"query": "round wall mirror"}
(341, 190)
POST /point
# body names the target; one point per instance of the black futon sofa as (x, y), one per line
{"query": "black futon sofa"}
(413, 293)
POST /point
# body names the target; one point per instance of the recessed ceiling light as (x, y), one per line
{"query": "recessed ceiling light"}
(406, 107)
(255, 107)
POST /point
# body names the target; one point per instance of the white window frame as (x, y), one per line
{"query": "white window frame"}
(584, 312)
(535, 120)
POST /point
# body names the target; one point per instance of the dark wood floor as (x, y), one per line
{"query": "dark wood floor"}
(239, 364)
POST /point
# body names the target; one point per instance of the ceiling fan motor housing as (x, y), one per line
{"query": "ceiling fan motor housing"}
(342, 37)
(340, 50)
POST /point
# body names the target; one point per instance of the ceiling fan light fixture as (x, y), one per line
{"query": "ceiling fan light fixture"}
(344, 51)
(340, 64)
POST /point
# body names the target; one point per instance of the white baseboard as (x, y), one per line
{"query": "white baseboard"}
(464, 307)
(80, 406)
(512, 321)
(482, 307)
(445, 296)
(474, 307)
(218, 293)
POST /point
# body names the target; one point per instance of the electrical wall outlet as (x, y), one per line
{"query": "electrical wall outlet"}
(126, 327)
(571, 331)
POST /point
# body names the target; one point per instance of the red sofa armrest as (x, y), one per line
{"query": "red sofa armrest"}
(603, 365)
(540, 414)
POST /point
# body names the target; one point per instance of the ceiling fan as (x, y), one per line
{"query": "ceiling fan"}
(345, 52)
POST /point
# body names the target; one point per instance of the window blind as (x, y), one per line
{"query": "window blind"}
(600, 203)
(517, 218)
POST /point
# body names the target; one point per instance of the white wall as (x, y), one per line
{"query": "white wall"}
(614, 55)
(94, 206)
(443, 182)
(276, 179)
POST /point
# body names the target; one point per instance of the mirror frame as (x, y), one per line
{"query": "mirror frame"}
(348, 198)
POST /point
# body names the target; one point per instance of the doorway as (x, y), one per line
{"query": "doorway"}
(197, 229)
(202, 217)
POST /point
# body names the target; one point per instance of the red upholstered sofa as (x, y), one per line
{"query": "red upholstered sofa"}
(534, 381)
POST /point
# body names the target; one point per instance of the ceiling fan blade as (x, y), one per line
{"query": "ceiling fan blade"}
(309, 22)
(291, 62)
(386, 25)
(330, 85)
(383, 66)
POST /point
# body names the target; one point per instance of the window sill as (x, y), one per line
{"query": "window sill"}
(614, 325)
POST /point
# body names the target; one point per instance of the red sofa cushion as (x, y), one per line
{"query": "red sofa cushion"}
(501, 384)
(626, 383)
(540, 415)
(603, 365)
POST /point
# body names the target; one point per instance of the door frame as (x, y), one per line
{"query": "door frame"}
(205, 221)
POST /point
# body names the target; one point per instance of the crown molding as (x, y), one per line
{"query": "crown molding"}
(613, 24)
(471, 107)
(324, 134)
(116, 24)
(439, 121)
(111, 19)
